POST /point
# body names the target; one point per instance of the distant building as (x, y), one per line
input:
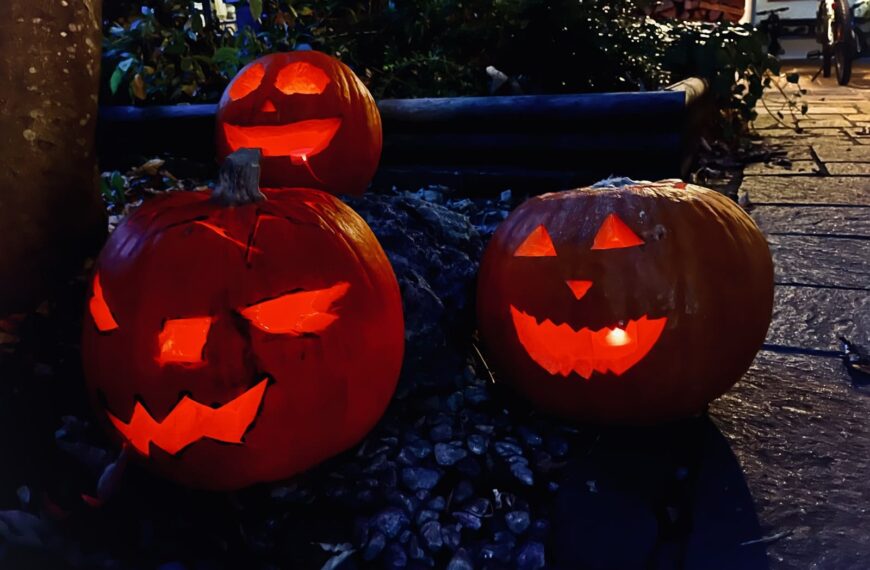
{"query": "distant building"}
(220, 12)
(704, 10)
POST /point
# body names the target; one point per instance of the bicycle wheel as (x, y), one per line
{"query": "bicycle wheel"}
(843, 50)
(843, 59)
(827, 59)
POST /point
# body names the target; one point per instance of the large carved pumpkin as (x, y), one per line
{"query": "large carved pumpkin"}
(314, 121)
(51, 214)
(243, 343)
(625, 304)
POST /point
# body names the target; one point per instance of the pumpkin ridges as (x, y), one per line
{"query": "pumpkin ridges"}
(348, 161)
(692, 269)
(340, 380)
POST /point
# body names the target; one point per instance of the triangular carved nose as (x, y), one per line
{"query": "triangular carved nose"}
(578, 287)
(268, 107)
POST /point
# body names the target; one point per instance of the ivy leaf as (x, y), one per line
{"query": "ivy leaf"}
(226, 55)
(115, 81)
(256, 9)
(119, 74)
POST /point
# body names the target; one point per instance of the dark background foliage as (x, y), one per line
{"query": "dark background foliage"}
(159, 51)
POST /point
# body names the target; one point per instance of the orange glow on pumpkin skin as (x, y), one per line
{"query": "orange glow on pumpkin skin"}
(537, 244)
(247, 82)
(579, 287)
(305, 312)
(100, 311)
(293, 140)
(614, 234)
(560, 349)
(301, 78)
(189, 421)
(182, 340)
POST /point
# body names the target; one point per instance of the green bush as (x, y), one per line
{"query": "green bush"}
(157, 53)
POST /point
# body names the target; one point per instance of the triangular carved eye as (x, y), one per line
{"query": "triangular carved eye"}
(614, 234)
(537, 244)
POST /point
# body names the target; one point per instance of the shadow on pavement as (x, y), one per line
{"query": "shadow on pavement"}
(660, 497)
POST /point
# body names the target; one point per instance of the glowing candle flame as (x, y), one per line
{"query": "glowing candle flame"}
(617, 337)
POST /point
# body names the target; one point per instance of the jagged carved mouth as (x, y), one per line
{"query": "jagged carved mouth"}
(189, 421)
(560, 349)
(299, 141)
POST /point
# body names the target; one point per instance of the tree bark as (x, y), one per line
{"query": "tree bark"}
(51, 214)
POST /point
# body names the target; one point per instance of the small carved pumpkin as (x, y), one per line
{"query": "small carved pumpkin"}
(313, 119)
(631, 304)
(229, 345)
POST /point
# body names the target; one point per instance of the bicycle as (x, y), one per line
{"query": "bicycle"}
(842, 39)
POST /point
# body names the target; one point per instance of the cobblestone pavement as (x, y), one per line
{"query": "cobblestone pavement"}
(799, 423)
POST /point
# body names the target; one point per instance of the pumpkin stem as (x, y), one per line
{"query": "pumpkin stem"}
(239, 181)
(623, 181)
(618, 182)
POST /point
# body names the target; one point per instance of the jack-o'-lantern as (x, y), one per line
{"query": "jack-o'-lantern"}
(629, 303)
(313, 119)
(237, 336)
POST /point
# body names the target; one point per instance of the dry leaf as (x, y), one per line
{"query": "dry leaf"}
(137, 86)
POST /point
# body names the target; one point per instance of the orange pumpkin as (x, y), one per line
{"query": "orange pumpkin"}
(633, 303)
(242, 337)
(313, 119)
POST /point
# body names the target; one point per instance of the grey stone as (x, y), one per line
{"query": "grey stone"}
(531, 556)
(460, 561)
(517, 521)
(416, 478)
(391, 521)
(448, 454)
(431, 533)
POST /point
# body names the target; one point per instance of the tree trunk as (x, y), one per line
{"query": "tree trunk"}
(51, 214)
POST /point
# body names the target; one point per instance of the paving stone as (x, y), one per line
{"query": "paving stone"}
(814, 318)
(801, 435)
(860, 135)
(795, 167)
(831, 220)
(795, 422)
(820, 261)
(816, 122)
(828, 190)
(841, 153)
(830, 136)
(769, 122)
(848, 168)
(832, 97)
(825, 122)
(837, 109)
(790, 149)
